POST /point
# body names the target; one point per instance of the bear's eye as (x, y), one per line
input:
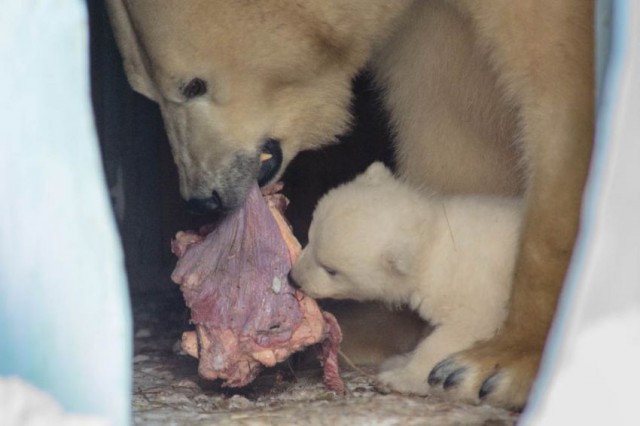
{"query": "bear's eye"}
(330, 271)
(196, 87)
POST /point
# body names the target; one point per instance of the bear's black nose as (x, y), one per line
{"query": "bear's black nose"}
(205, 205)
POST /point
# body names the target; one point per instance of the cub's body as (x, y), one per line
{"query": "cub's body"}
(449, 258)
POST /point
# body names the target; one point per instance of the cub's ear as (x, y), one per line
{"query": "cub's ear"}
(377, 172)
(397, 259)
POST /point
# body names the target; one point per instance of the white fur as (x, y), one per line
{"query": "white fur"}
(449, 258)
(485, 97)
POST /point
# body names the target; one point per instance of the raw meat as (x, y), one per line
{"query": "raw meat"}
(234, 277)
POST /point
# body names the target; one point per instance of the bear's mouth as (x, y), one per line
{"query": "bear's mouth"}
(270, 161)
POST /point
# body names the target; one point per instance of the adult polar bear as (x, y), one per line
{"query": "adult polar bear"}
(485, 96)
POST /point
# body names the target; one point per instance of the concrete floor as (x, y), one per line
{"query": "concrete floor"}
(168, 391)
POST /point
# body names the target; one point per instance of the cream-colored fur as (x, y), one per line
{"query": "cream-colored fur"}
(274, 69)
(491, 96)
(449, 258)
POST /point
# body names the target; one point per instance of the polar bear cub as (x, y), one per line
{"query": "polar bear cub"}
(449, 258)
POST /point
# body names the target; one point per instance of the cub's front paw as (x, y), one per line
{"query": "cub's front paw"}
(404, 380)
(395, 362)
(497, 373)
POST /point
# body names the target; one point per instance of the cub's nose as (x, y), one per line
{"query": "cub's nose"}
(293, 282)
(205, 205)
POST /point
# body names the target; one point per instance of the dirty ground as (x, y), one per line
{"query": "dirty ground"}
(168, 391)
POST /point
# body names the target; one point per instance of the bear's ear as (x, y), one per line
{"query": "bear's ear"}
(377, 172)
(130, 50)
(397, 259)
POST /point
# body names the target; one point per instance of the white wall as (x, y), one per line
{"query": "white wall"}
(592, 364)
(65, 322)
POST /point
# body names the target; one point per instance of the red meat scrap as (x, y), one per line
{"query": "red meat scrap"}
(234, 278)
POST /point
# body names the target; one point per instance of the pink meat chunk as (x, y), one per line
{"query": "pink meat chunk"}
(234, 278)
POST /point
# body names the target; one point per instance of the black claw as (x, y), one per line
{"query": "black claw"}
(454, 378)
(433, 379)
(440, 372)
(489, 385)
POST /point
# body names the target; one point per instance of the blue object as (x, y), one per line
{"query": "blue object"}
(590, 367)
(65, 319)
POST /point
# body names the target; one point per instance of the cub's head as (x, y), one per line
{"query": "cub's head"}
(361, 241)
(237, 79)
